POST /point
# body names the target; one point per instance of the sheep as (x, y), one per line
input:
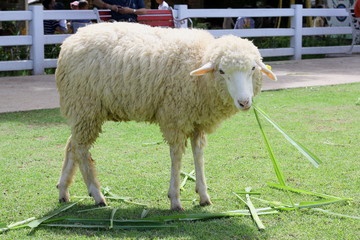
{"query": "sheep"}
(184, 80)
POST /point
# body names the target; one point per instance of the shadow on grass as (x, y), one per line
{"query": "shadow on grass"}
(240, 227)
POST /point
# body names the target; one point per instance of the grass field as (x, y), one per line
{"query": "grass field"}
(131, 162)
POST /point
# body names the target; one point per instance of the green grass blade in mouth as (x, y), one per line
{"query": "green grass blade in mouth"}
(275, 163)
(302, 149)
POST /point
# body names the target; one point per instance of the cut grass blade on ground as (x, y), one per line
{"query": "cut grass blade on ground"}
(335, 214)
(152, 143)
(35, 223)
(326, 196)
(112, 218)
(94, 209)
(251, 193)
(200, 216)
(107, 223)
(128, 227)
(110, 195)
(186, 177)
(144, 213)
(253, 211)
(313, 205)
(4, 227)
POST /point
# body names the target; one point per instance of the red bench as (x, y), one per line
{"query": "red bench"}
(155, 18)
(103, 15)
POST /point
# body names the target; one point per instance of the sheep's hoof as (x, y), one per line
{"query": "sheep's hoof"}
(205, 203)
(101, 204)
(178, 209)
(63, 200)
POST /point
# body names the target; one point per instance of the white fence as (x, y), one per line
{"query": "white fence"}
(36, 38)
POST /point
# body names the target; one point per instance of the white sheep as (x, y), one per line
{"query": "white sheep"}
(129, 71)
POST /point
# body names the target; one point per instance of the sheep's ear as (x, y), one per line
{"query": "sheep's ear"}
(266, 70)
(206, 68)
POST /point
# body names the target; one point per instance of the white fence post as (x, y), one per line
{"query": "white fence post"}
(181, 14)
(37, 32)
(296, 24)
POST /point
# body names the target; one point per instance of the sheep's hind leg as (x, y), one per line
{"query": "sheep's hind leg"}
(174, 190)
(198, 142)
(67, 173)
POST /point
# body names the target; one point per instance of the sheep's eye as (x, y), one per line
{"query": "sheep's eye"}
(221, 71)
(253, 68)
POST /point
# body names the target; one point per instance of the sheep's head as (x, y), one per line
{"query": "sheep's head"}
(238, 62)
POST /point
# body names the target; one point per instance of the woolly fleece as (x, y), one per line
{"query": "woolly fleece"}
(129, 71)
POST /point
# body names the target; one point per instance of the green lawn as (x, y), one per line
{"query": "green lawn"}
(324, 119)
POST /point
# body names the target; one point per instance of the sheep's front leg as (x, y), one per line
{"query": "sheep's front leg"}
(87, 168)
(198, 142)
(174, 190)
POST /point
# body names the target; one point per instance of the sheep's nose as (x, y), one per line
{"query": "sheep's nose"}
(245, 104)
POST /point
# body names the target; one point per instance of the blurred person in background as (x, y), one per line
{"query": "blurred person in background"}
(162, 5)
(78, 23)
(123, 10)
(51, 26)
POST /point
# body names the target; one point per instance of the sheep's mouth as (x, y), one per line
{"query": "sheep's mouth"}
(245, 108)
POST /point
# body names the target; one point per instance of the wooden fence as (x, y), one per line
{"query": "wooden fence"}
(37, 40)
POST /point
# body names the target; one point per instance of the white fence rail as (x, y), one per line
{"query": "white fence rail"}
(36, 38)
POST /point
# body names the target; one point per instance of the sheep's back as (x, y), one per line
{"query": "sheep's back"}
(128, 71)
